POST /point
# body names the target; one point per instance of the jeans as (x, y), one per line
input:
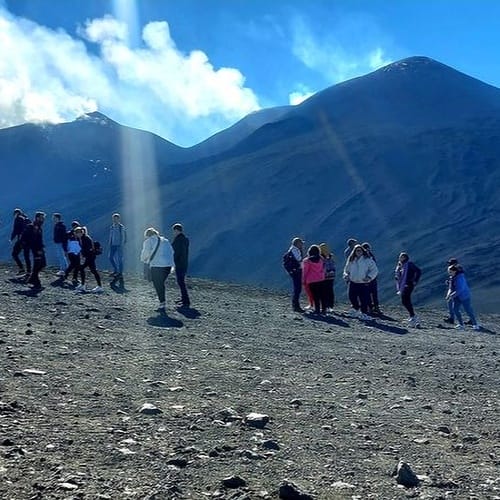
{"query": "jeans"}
(16, 250)
(181, 282)
(116, 258)
(468, 309)
(406, 299)
(297, 287)
(359, 296)
(61, 257)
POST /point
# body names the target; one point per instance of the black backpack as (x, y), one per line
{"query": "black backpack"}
(290, 263)
(97, 248)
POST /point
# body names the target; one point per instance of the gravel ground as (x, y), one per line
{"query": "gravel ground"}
(103, 397)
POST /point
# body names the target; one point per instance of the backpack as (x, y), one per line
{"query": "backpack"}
(290, 263)
(97, 248)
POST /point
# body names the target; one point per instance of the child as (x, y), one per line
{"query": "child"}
(459, 293)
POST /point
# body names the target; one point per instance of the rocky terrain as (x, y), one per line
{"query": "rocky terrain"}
(101, 397)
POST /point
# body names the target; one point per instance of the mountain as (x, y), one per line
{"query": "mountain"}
(406, 157)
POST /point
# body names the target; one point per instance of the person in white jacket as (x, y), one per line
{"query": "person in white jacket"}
(360, 269)
(159, 254)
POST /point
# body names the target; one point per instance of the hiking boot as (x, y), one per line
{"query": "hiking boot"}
(80, 289)
(413, 321)
(97, 289)
(61, 273)
(298, 309)
(20, 272)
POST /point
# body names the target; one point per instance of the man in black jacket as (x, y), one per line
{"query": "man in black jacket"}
(61, 242)
(33, 239)
(180, 244)
(20, 223)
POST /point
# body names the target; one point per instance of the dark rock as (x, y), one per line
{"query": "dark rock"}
(405, 476)
(7, 442)
(270, 444)
(290, 491)
(178, 462)
(258, 420)
(234, 482)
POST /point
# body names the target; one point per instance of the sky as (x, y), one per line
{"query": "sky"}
(186, 69)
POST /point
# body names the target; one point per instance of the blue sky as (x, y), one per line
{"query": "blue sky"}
(186, 69)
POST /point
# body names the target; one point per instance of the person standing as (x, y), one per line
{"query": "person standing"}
(18, 227)
(117, 240)
(89, 260)
(61, 242)
(180, 244)
(451, 311)
(330, 271)
(407, 276)
(33, 239)
(158, 253)
(359, 270)
(459, 294)
(74, 250)
(313, 274)
(373, 303)
(292, 264)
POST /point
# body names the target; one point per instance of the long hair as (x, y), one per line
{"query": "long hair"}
(352, 256)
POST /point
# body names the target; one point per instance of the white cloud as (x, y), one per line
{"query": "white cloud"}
(47, 75)
(301, 93)
(332, 57)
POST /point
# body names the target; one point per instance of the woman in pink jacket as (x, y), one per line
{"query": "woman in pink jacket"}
(313, 275)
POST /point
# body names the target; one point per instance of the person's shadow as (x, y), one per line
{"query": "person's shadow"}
(188, 312)
(164, 321)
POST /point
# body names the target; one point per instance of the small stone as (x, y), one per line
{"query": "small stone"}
(29, 331)
(296, 402)
(341, 485)
(7, 442)
(234, 482)
(33, 371)
(290, 491)
(68, 486)
(405, 476)
(444, 429)
(327, 375)
(149, 409)
(178, 462)
(258, 420)
(270, 444)
(251, 455)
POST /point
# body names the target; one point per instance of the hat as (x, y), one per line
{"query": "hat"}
(75, 223)
(452, 261)
(297, 240)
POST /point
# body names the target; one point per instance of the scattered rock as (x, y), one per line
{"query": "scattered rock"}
(234, 482)
(227, 415)
(290, 491)
(405, 476)
(251, 455)
(270, 444)
(149, 409)
(258, 420)
(179, 462)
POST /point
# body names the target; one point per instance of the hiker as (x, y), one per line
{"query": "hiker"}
(89, 260)
(292, 264)
(74, 250)
(117, 240)
(373, 304)
(359, 270)
(351, 243)
(61, 242)
(459, 294)
(313, 274)
(18, 227)
(451, 312)
(33, 240)
(180, 245)
(407, 276)
(330, 271)
(158, 253)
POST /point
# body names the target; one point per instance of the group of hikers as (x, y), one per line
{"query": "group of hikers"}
(76, 251)
(315, 272)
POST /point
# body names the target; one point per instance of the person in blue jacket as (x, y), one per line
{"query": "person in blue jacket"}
(459, 293)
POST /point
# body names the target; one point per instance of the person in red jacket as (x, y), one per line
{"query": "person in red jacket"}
(313, 275)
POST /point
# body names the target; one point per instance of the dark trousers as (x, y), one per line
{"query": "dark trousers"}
(359, 296)
(297, 287)
(373, 294)
(159, 276)
(318, 290)
(329, 293)
(406, 299)
(39, 263)
(180, 276)
(16, 250)
(90, 263)
(74, 265)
